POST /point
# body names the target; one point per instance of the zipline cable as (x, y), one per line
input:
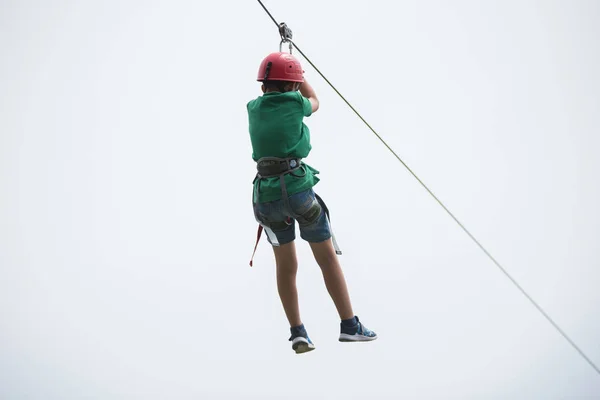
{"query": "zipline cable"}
(504, 271)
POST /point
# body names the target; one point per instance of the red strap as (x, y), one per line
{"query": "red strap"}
(260, 229)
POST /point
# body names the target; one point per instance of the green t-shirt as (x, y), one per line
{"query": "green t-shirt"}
(277, 130)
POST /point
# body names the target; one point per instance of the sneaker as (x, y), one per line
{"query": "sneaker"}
(357, 333)
(301, 343)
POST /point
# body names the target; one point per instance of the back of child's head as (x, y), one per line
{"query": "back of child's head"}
(279, 86)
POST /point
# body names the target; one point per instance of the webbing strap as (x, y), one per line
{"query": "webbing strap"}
(338, 251)
(258, 234)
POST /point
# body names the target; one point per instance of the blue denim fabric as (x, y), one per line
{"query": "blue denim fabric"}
(275, 215)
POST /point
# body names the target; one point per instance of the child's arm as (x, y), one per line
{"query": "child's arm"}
(307, 91)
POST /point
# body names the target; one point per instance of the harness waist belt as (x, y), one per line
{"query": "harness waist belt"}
(274, 166)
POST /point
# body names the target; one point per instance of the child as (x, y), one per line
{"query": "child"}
(283, 193)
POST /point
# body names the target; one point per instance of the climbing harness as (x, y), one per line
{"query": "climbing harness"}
(487, 253)
(271, 167)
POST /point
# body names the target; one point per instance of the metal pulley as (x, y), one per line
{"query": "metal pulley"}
(286, 36)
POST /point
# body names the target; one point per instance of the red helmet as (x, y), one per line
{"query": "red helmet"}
(280, 67)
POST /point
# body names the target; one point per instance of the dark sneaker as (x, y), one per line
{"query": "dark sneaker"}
(301, 343)
(357, 333)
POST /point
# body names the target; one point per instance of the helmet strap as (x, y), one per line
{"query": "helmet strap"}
(268, 69)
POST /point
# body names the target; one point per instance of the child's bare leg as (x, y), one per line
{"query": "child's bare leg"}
(334, 277)
(287, 266)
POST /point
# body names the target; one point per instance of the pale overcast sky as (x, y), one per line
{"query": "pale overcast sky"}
(125, 185)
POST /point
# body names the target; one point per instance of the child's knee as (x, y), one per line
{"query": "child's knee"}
(326, 258)
(287, 267)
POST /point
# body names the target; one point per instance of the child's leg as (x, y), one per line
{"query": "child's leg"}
(352, 330)
(316, 230)
(274, 215)
(334, 277)
(287, 266)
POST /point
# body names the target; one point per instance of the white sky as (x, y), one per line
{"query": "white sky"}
(125, 187)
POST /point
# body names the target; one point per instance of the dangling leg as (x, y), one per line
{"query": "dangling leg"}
(287, 267)
(317, 231)
(352, 330)
(281, 231)
(334, 277)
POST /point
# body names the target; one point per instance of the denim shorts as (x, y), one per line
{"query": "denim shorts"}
(278, 218)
